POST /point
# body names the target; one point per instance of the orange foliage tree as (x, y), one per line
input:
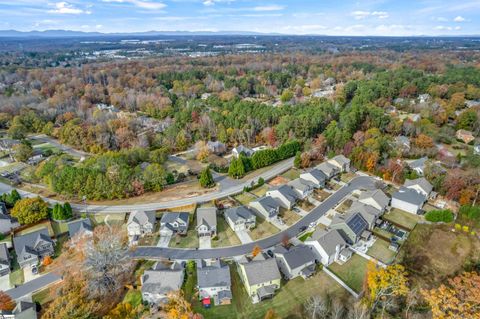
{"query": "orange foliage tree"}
(6, 302)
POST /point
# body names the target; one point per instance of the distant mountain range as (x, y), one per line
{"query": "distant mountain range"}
(76, 34)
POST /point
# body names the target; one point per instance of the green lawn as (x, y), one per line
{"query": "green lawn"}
(61, 240)
(305, 236)
(225, 235)
(31, 229)
(263, 229)
(292, 174)
(16, 277)
(380, 251)
(401, 218)
(260, 191)
(190, 240)
(113, 218)
(43, 296)
(190, 281)
(352, 272)
(133, 297)
(47, 147)
(59, 228)
(245, 198)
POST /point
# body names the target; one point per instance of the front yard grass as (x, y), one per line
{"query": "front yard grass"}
(380, 251)
(260, 191)
(225, 235)
(42, 296)
(245, 198)
(16, 277)
(402, 218)
(306, 205)
(352, 272)
(344, 206)
(292, 174)
(190, 240)
(263, 229)
(320, 194)
(288, 216)
(133, 297)
(347, 177)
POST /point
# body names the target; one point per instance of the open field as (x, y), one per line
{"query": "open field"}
(287, 302)
(380, 251)
(435, 252)
(263, 229)
(401, 218)
(225, 235)
(352, 272)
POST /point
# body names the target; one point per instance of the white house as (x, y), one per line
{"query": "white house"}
(173, 222)
(296, 261)
(326, 245)
(140, 223)
(240, 218)
(420, 185)
(4, 260)
(315, 176)
(207, 221)
(341, 162)
(408, 200)
(285, 195)
(375, 198)
(266, 206)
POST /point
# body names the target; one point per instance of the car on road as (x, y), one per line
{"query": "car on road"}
(312, 225)
(303, 228)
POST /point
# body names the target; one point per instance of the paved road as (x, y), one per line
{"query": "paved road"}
(234, 189)
(362, 182)
(33, 285)
(65, 148)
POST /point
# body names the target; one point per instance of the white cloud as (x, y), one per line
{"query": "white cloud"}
(273, 7)
(441, 19)
(380, 14)
(459, 19)
(144, 4)
(305, 29)
(67, 8)
(443, 28)
(208, 2)
(360, 15)
(458, 27)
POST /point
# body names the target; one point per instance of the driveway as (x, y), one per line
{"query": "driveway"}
(204, 242)
(33, 285)
(28, 275)
(5, 282)
(164, 240)
(244, 236)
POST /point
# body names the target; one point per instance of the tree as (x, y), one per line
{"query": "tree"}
(256, 250)
(424, 141)
(286, 96)
(271, 314)
(177, 307)
(47, 261)
(6, 302)
(317, 308)
(17, 131)
(57, 212)
(67, 208)
(125, 310)
(458, 298)
(383, 285)
(30, 210)
(22, 152)
(206, 179)
(297, 162)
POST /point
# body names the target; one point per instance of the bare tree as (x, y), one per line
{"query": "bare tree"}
(358, 311)
(337, 310)
(317, 308)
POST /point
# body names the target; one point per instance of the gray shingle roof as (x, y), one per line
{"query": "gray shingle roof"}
(80, 225)
(237, 213)
(207, 216)
(328, 240)
(162, 281)
(141, 217)
(422, 182)
(286, 191)
(318, 174)
(213, 276)
(340, 159)
(4, 256)
(419, 163)
(377, 195)
(410, 196)
(327, 168)
(29, 240)
(300, 184)
(172, 217)
(267, 203)
(298, 256)
(260, 271)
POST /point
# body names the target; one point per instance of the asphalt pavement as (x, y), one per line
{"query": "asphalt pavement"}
(33, 285)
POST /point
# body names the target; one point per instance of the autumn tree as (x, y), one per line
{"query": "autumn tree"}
(459, 297)
(271, 314)
(256, 250)
(6, 302)
(177, 307)
(30, 210)
(125, 310)
(22, 152)
(424, 141)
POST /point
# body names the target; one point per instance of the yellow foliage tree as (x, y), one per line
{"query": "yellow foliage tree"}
(178, 307)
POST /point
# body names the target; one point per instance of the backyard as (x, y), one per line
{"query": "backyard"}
(225, 235)
(260, 191)
(402, 218)
(245, 198)
(292, 174)
(352, 272)
(380, 251)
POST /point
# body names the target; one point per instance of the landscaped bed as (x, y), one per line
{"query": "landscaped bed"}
(402, 218)
(263, 229)
(380, 251)
(352, 272)
(225, 235)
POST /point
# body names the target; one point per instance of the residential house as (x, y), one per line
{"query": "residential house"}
(465, 136)
(476, 149)
(161, 280)
(216, 147)
(316, 176)
(296, 261)
(420, 185)
(285, 195)
(408, 199)
(80, 227)
(328, 169)
(141, 223)
(4, 260)
(266, 206)
(341, 162)
(261, 277)
(8, 144)
(214, 282)
(402, 142)
(174, 223)
(326, 245)
(25, 308)
(424, 98)
(31, 248)
(368, 212)
(207, 221)
(418, 165)
(7, 223)
(352, 227)
(375, 198)
(240, 218)
(302, 187)
(242, 149)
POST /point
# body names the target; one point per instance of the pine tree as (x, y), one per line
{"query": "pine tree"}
(206, 178)
(67, 210)
(297, 162)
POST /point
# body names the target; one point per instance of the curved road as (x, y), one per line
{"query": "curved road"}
(150, 252)
(233, 189)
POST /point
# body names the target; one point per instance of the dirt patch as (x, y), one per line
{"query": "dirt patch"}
(279, 180)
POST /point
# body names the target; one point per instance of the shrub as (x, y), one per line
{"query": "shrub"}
(445, 216)
(470, 212)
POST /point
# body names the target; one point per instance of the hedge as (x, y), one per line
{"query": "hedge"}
(445, 216)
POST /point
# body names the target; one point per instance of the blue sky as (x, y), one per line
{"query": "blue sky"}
(334, 17)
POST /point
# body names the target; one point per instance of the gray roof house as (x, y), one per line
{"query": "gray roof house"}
(341, 162)
(351, 226)
(402, 142)
(375, 198)
(266, 206)
(328, 169)
(420, 185)
(418, 165)
(216, 147)
(31, 248)
(214, 282)
(4, 260)
(408, 200)
(296, 261)
(207, 221)
(25, 308)
(316, 176)
(302, 187)
(158, 282)
(261, 277)
(140, 223)
(368, 212)
(174, 223)
(7, 223)
(326, 245)
(285, 195)
(240, 218)
(81, 227)
(242, 149)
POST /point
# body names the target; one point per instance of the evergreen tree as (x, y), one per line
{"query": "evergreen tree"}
(297, 162)
(67, 209)
(206, 178)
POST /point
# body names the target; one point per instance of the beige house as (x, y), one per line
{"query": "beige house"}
(261, 277)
